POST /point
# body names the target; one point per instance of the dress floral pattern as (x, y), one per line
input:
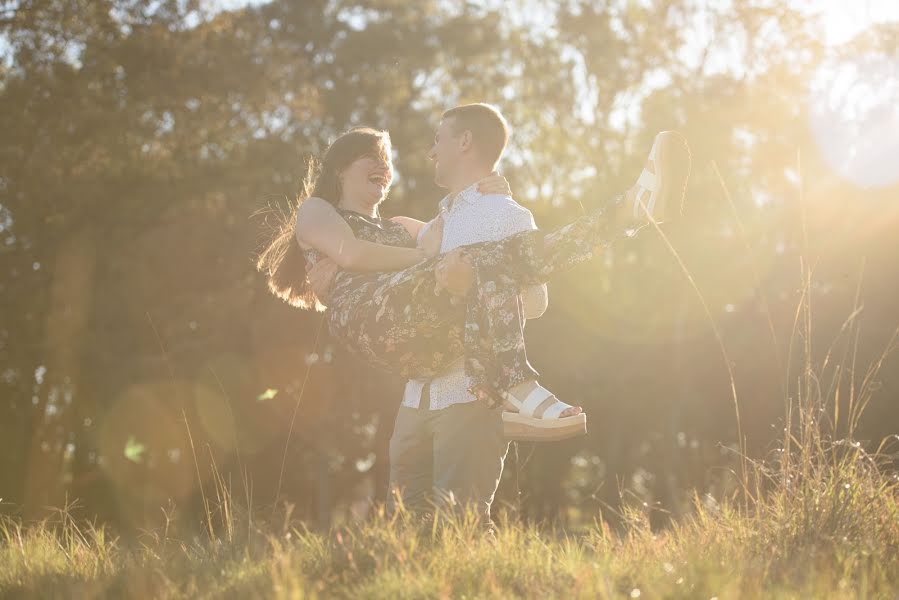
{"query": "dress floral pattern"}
(397, 322)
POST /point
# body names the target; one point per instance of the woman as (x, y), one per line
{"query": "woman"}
(385, 304)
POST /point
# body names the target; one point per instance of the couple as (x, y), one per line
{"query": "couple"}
(443, 303)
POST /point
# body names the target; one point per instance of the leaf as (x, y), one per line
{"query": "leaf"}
(134, 450)
(267, 395)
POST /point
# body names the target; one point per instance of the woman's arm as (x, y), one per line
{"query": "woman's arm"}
(320, 226)
(413, 226)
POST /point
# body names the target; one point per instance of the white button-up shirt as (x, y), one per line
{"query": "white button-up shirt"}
(470, 218)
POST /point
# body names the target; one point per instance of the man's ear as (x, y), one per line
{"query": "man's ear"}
(466, 141)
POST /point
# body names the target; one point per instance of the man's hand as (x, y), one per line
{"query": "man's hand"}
(321, 278)
(454, 273)
(432, 238)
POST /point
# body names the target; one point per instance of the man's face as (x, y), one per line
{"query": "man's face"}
(446, 153)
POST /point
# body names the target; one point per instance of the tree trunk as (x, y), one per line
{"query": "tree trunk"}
(54, 416)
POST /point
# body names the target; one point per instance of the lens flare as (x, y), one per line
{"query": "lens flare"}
(854, 117)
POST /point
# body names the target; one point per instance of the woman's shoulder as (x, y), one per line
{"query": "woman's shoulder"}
(315, 208)
(315, 204)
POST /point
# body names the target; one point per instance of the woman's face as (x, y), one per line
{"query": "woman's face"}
(367, 180)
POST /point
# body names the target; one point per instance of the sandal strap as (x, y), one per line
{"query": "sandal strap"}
(555, 409)
(534, 400)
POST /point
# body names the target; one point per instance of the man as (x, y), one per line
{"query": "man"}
(447, 447)
(443, 437)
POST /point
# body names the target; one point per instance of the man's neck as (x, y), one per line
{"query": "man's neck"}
(467, 179)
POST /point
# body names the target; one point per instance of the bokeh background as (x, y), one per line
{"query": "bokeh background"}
(146, 147)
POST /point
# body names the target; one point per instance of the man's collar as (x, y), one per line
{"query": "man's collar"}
(453, 200)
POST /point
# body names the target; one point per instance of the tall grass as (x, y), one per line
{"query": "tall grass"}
(813, 538)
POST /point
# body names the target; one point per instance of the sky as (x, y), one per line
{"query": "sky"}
(845, 18)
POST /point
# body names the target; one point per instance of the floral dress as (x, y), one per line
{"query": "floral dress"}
(397, 322)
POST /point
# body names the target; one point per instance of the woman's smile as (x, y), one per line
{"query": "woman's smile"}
(381, 180)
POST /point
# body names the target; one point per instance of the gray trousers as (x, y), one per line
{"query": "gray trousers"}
(448, 457)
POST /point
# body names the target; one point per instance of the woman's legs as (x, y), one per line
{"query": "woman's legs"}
(494, 337)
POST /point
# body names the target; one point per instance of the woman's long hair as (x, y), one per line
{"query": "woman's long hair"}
(282, 260)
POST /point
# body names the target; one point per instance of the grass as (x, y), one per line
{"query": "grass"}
(834, 535)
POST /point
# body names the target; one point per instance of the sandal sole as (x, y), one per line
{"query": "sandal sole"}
(529, 429)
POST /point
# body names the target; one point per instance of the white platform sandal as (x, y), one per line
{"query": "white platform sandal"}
(660, 188)
(538, 420)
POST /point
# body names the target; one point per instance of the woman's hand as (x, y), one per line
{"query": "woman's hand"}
(431, 240)
(495, 184)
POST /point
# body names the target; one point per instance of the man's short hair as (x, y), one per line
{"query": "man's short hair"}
(488, 128)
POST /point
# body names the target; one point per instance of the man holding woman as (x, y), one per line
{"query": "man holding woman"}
(462, 350)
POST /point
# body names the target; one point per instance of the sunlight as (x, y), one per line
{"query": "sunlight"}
(854, 116)
(854, 102)
(843, 20)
